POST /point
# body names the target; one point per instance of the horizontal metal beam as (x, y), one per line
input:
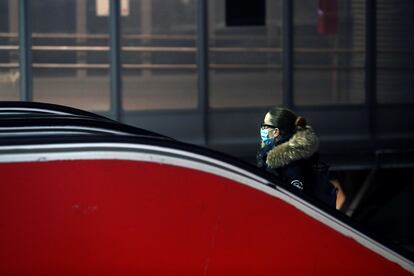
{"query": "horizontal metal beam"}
(194, 49)
(194, 66)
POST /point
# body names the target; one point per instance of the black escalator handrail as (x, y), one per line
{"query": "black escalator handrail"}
(25, 125)
(16, 107)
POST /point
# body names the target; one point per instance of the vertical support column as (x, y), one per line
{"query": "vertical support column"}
(202, 65)
(371, 65)
(25, 51)
(287, 55)
(115, 50)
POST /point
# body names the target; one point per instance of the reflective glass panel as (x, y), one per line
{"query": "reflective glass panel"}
(395, 44)
(70, 53)
(329, 39)
(245, 60)
(159, 55)
(9, 51)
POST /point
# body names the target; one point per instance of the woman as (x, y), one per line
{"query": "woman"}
(289, 148)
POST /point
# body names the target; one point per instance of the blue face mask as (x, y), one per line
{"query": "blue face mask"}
(264, 134)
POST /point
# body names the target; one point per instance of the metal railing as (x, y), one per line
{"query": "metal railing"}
(153, 49)
(181, 66)
(174, 50)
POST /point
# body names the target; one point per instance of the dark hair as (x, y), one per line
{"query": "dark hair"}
(286, 120)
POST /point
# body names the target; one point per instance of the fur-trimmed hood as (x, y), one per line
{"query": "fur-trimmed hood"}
(302, 145)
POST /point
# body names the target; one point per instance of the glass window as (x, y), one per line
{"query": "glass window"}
(395, 46)
(9, 51)
(245, 61)
(70, 54)
(329, 38)
(159, 55)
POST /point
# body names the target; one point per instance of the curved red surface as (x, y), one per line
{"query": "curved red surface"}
(125, 217)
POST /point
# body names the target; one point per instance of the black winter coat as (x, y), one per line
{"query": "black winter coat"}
(292, 159)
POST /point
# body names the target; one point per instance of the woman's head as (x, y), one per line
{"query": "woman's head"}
(283, 121)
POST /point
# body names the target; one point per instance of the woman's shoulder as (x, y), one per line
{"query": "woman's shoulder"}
(301, 146)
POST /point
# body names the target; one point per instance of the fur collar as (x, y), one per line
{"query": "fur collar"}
(302, 145)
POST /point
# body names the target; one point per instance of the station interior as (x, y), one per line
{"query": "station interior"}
(205, 72)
